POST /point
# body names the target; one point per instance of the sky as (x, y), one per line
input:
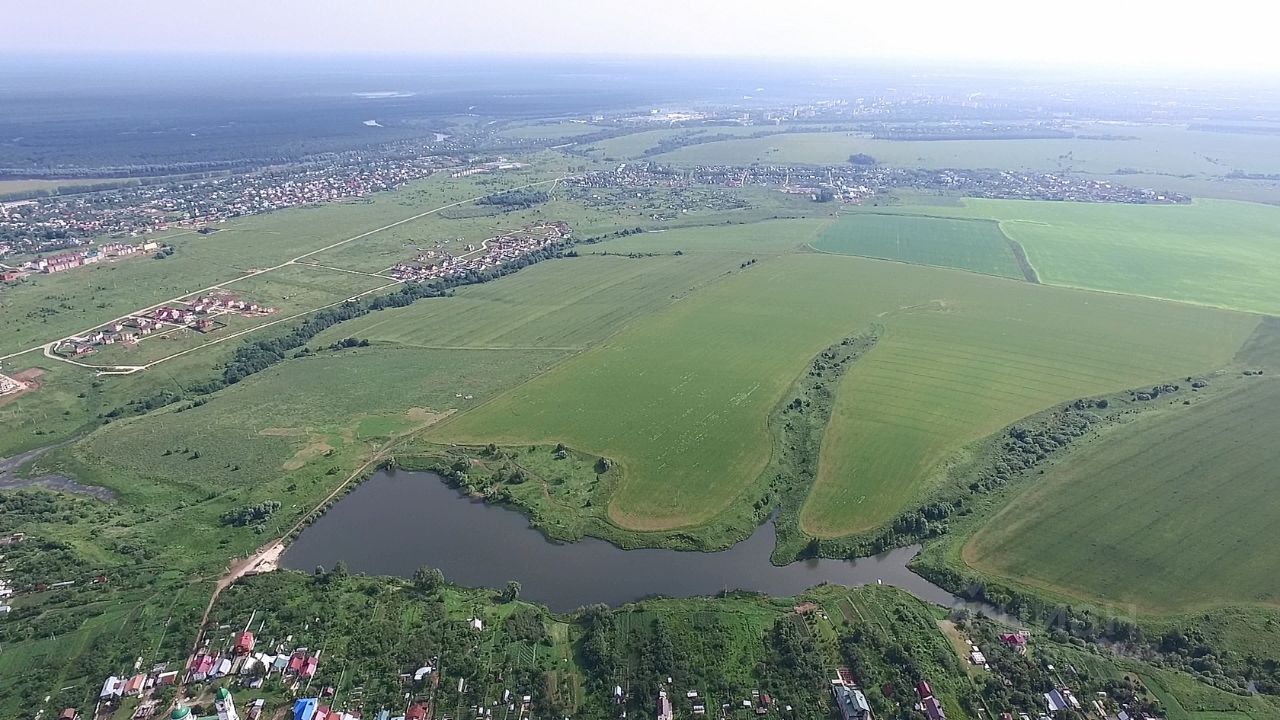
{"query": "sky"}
(1225, 35)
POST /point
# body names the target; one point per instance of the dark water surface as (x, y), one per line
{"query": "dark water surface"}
(398, 521)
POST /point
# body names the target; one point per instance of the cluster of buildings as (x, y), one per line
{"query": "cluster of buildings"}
(252, 668)
(856, 183)
(199, 314)
(46, 224)
(49, 264)
(485, 168)
(495, 251)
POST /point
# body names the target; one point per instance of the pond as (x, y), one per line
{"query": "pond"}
(398, 521)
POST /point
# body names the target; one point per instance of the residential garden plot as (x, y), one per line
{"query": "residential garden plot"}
(569, 304)
(974, 356)
(680, 398)
(963, 244)
(1164, 514)
(1211, 252)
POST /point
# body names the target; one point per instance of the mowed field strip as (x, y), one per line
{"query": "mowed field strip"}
(680, 398)
(1167, 514)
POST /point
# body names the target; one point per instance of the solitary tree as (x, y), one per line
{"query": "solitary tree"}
(428, 579)
(511, 592)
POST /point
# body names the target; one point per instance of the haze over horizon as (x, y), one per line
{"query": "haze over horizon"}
(1139, 37)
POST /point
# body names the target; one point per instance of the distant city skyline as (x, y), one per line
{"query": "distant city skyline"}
(1227, 36)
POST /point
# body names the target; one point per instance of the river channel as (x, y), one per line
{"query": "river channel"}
(398, 521)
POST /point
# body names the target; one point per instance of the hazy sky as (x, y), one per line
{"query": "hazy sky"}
(1140, 34)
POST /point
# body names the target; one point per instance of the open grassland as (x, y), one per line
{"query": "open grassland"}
(1211, 252)
(977, 354)
(1163, 514)
(70, 400)
(1154, 149)
(297, 288)
(568, 304)
(963, 244)
(680, 399)
(182, 467)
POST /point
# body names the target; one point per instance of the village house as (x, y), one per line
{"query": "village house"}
(928, 703)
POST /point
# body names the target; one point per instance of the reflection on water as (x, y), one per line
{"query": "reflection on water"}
(397, 522)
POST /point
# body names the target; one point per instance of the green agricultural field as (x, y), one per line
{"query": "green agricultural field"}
(1211, 252)
(963, 244)
(1154, 149)
(24, 186)
(634, 145)
(567, 304)
(1163, 513)
(757, 239)
(977, 354)
(680, 398)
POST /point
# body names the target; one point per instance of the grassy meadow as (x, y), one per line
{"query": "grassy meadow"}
(181, 467)
(978, 246)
